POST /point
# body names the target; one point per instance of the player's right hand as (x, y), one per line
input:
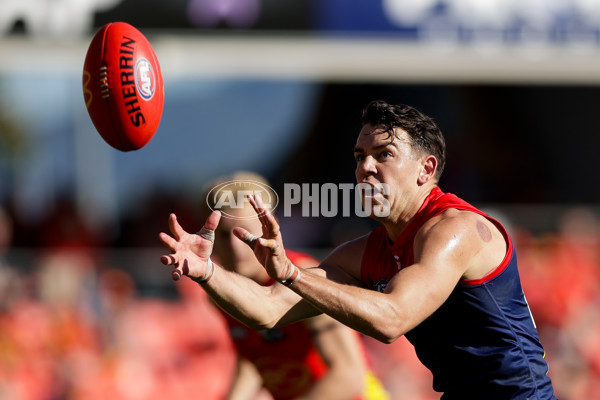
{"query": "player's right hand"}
(268, 249)
(189, 252)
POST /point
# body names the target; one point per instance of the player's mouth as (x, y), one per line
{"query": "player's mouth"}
(372, 192)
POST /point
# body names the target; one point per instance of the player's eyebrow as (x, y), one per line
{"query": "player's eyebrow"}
(378, 147)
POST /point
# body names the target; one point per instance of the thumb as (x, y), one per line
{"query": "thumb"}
(213, 220)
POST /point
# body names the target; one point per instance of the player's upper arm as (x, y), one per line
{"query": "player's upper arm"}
(444, 248)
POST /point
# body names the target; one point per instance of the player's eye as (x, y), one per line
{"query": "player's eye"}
(359, 157)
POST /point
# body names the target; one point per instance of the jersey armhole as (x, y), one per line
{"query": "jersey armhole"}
(505, 261)
(364, 270)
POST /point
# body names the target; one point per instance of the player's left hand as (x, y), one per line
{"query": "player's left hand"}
(268, 249)
(190, 252)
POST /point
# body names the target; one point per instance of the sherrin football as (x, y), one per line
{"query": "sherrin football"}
(123, 86)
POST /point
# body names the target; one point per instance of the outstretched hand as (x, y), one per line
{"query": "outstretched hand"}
(190, 253)
(268, 249)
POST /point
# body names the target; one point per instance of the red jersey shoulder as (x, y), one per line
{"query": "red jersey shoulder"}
(299, 258)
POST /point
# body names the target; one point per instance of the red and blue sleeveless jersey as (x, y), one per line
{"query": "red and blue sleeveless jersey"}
(482, 342)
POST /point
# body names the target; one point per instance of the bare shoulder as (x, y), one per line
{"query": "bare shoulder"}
(454, 219)
(344, 262)
(470, 238)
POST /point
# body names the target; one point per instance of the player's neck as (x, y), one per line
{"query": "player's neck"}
(396, 226)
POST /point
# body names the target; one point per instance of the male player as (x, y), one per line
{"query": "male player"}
(437, 270)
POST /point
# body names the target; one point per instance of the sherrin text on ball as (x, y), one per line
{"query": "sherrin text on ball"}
(123, 87)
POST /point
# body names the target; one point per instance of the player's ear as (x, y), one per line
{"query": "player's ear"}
(428, 168)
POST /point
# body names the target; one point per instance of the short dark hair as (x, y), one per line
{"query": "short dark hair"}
(424, 133)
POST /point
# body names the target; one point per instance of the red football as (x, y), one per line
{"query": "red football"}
(123, 86)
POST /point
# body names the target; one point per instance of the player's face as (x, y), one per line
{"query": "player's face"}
(390, 161)
(234, 254)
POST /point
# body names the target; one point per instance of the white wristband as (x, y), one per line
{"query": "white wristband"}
(209, 272)
(292, 278)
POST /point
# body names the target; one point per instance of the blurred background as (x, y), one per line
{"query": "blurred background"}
(86, 309)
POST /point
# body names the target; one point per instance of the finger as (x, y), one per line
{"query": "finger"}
(259, 201)
(260, 205)
(270, 244)
(176, 274)
(272, 225)
(176, 229)
(252, 202)
(267, 219)
(245, 236)
(261, 212)
(180, 270)
(168, 241)
(168, 259)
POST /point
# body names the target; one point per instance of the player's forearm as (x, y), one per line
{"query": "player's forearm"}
(258, 307)
(369, 312)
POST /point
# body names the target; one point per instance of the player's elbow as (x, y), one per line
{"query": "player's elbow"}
(390, 329)
(261, 325)
(387, 337)
(384, 332)
(258, 323)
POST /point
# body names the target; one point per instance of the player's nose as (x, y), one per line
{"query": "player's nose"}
(367, 167)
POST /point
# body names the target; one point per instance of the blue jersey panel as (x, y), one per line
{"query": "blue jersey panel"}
(489, 347)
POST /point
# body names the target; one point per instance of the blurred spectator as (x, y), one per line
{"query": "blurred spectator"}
(6, 232)
(64, 227)
(11, 285)
(73, 328)
(561, 274)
